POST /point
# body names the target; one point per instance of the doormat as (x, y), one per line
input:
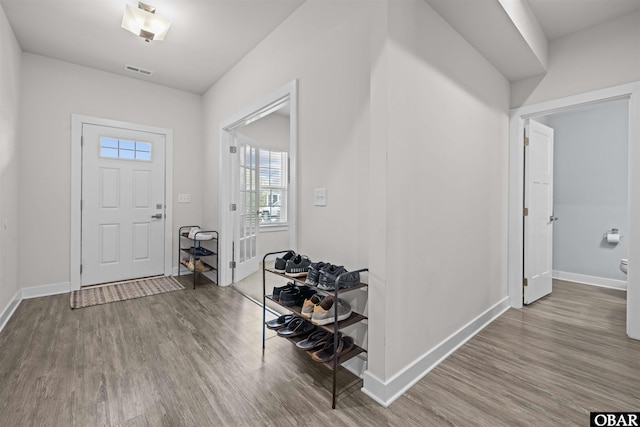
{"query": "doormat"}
(123, 291)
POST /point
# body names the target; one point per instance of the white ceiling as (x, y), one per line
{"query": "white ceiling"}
(207, 38)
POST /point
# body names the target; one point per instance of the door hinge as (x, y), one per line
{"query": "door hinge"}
(232, 264)
(526, 141)
(232, 207)
(82, 141)
(525, 212)
(525, 281)
(233, 149)
(80, 268)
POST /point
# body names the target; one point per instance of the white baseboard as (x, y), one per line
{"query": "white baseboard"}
(10, 309)
(31, 292)
(590, 280)
(386, 392)
(46, 290)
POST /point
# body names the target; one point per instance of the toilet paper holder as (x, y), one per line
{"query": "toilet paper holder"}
(612, 236)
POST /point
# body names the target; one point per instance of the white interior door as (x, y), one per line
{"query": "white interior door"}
(123, 204)
(538, 220)
(246, 218)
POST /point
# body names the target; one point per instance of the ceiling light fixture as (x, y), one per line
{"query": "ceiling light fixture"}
(144, 22)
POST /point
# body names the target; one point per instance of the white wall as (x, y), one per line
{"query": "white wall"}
(52, 90)
(405, 124)
(325, 45)
(446, 240)
(590, 188)
(10, 71)
(271, 133)
(602, 56)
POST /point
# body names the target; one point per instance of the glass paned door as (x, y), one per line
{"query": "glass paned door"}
(247, 210)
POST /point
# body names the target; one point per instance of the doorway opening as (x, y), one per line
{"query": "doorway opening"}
(258, 185)
(630, 93)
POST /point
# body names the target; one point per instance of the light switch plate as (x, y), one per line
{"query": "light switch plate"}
(184, 198)
(320, 197)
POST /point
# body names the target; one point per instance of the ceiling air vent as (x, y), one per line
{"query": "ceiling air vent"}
(138, 70)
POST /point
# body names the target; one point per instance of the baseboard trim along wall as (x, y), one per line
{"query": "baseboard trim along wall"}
(31, 292)
(386, 392)
(590, 280)
(10, 309)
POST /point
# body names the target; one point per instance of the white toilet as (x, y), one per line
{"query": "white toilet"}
(623, 265)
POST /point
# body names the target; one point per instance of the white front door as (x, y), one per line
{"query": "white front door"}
(246, 218)
(538, 220)
(123, 204)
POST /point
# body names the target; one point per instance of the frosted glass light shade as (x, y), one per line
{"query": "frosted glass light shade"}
(145, 24)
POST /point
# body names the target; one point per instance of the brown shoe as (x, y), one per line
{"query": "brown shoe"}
(345, 344)
(201, 266)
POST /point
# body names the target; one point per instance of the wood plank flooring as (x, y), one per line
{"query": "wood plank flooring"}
(194, 358)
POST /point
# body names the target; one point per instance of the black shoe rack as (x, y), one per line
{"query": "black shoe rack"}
(296, 310)
(205, 251)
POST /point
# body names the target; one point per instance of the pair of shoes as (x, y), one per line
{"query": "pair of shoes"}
(325, 312)
(296, 328)
(314, 273)
(330, 273)
(297, 266)
(281, 263)
(327, 353)
(201, 266)
(275, 295)
(295, 295)
(309, 305)
(292, 264)
(195, 266)
(200, 251)
(280, 322)
(316, 340)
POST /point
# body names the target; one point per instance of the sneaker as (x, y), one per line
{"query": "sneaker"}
(290, 297)
(325, 312)
(295, 295)
(328, 276)
(278, 290)
(308, 305)
(298, 266)
(281, 263)
(349, 280)
(314, 273)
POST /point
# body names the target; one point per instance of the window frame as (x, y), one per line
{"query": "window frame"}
(283, 189)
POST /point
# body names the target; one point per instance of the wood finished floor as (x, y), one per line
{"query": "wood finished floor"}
(193, 357)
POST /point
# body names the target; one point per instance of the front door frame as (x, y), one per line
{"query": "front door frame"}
(77, 121)
(517, 120)
(288, 92)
